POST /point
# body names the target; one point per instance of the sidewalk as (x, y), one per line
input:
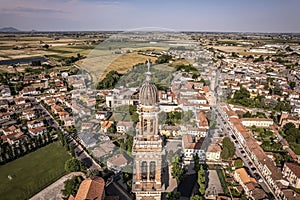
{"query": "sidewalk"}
(53, 191)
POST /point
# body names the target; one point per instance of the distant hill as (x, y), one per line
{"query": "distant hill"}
(9, 30)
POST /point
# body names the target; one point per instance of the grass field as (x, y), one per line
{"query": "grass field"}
(33, 172)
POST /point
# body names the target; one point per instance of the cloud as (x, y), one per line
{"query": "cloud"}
(102, 2)
(32, 10)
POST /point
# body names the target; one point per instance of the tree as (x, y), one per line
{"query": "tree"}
(277, 90)
(72, 149)
(134, 115)
(163, 59)
(202, 81)
(288, 126)
(173, 195)
(196, 162)
(238, 163)
(110, 80)
(112, 128)
(228, 149)
(177, 170)
(202, 188)
(196, 197)
(92, 173)
(266, 86)
(74, 165)
(71, 186)
(201, 180)
(247, 115)
(292, 85)
(129, 143)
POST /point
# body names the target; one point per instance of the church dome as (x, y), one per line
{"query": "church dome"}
(148, 94)
(148, 91)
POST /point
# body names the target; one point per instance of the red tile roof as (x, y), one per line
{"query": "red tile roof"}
(91, 189)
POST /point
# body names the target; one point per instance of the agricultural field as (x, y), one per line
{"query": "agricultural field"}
(99, 66)
(27, 46)
(236, 49)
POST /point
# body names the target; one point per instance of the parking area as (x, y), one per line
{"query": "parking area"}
(214, 186)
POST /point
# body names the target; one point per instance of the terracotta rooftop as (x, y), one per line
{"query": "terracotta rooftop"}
(91, 189)
(36, 130)
(214, 148)
(189, 143)
(245, 176)
(202, 119)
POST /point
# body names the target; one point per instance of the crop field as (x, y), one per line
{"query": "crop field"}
(20, 46)
(236, 49)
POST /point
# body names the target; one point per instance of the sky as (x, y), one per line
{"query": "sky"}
(184, 15)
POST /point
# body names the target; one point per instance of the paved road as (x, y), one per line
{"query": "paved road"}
(187, 185)
(82, 155)
(53, 191)
(247, 157)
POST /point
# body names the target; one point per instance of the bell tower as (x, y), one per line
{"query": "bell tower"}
(147, 145)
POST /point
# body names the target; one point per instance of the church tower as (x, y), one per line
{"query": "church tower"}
(147, 145)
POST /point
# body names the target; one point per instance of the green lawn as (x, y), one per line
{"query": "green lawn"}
(33, 172)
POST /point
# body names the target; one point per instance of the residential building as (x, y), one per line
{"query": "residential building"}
(101, 115)
(192, 146)
(5, 91)
(170, 131)
(35, 124)
(258, 122)
(37, 131)
(202, 121)
(116, 163)
(123, 126)
(88, 139)
(287, 118)
(213, 152)
(291, 171)
(245, 180)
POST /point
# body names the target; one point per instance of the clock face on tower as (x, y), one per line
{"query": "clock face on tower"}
(147, 145)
